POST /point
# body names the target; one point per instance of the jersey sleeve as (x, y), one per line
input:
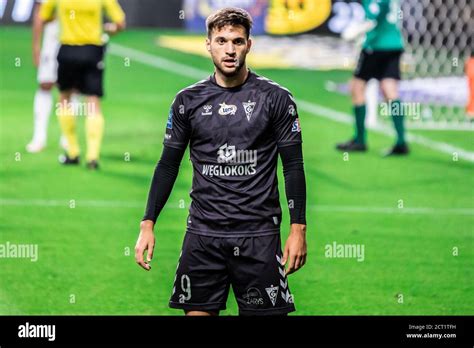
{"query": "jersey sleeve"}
(46, 12)
(178, 128)
(286, 123)
(114, 11)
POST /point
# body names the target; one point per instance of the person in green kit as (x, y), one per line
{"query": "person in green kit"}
(379, 59)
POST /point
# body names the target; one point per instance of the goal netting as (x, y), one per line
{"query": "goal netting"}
(439, 37)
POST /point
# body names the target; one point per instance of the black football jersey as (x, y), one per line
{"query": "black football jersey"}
(234, 135)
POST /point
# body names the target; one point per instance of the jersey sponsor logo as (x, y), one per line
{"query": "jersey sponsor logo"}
(253, 297)
(237, 170)
(248, 108)
(207, 110)
(234, 162)
(296, 126)
(230, 155)
(169, 124)
(226, 153)
(227, 109)
(272, 292)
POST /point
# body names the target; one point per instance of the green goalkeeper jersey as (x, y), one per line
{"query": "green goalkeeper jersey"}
(386, 35)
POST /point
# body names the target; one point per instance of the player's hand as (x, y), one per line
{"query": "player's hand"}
(110, 28)
(295, 249)
(355, 30)
(146, 241)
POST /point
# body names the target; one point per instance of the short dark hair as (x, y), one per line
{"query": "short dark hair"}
(229, 16)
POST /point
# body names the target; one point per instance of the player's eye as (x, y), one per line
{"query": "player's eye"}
(220, 41)
(239, 42)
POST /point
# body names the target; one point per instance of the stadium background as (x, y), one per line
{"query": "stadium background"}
(413, 215)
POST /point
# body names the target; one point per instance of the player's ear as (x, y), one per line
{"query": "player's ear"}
(249, 44)
(208, 44)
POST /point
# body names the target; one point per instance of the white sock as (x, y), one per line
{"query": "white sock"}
(43, 104)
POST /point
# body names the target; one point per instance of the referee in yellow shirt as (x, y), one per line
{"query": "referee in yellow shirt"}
(81, 66)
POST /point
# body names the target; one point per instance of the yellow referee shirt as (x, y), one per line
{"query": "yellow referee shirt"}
(81, 20)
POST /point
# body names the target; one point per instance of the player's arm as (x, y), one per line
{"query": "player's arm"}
(295, 186)
(287, 131)
(42, 14)
(116, 14)
(178, 132)
(162, 183)
(37, 33)
(374, 9)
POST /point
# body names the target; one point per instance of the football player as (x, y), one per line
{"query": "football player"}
(379, 59)
(236, 124)
(81, 67)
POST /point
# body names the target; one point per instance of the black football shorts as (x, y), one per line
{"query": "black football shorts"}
(378, 65)
(208, 266)
(81, 68)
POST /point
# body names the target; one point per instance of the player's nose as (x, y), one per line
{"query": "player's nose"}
(230, 48)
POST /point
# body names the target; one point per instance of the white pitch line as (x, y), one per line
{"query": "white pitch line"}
(76, 203)
(343, 117)
(157, 62)
(312, 108)
(392, 210)
(320, 208)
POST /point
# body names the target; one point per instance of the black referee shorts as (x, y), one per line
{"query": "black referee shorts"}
(378, 65)
(209, 265)
(81, 68)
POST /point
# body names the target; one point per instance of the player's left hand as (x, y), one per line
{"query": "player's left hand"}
(146, 241)
(295, 248)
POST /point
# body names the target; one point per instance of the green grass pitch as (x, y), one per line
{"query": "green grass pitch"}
(83, 250)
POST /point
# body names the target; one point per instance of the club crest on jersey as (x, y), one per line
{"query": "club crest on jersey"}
(248, 108)
(227, 109)
(207, 110)
(296, 126)
(272, 292)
